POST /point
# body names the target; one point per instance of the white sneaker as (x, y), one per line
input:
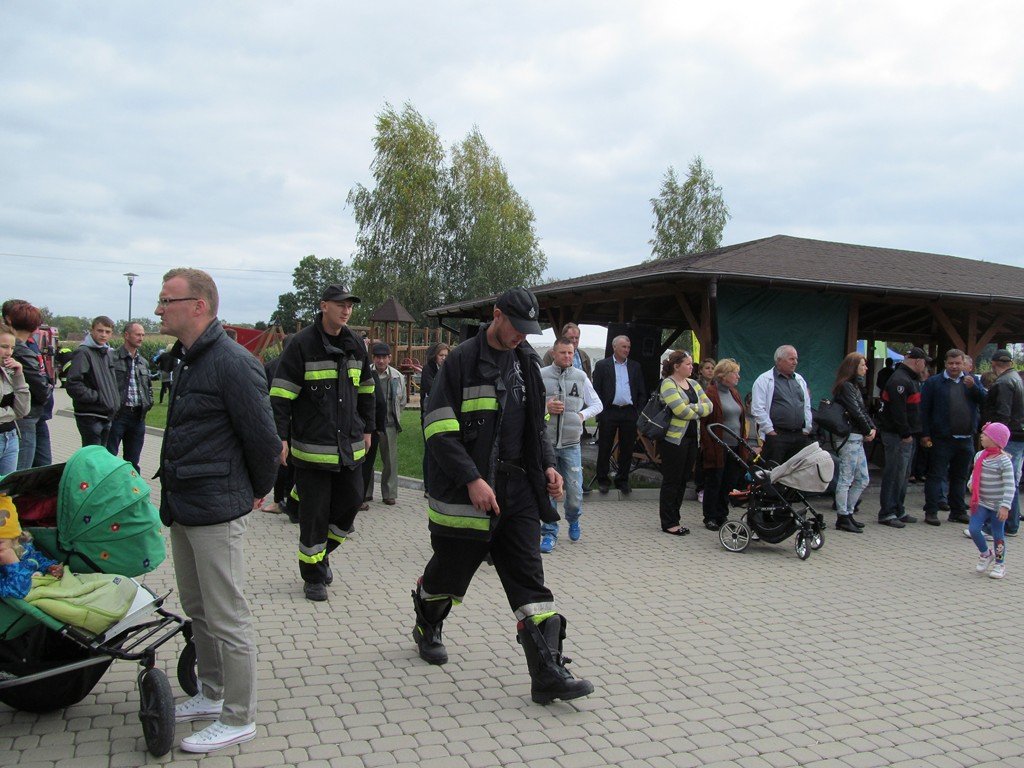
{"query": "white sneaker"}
(998, 571)
(218, 736)
(967, 534)
(985, 561)
(198, 708)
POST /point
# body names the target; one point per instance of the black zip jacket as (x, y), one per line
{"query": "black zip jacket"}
(220, 449)
(91, 382)
(462, 429)
(901, 403)
(323, 398)
(1003, 403)
(39, 386)
(850, 398)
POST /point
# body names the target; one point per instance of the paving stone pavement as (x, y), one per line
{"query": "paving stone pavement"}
(884, 649)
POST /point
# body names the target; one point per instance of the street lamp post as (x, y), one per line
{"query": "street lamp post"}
(131, 281)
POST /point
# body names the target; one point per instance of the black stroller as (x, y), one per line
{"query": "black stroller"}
(775, 502)
(105, 524)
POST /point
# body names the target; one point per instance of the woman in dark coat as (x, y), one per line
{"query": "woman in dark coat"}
(853, 463)
(722, 473)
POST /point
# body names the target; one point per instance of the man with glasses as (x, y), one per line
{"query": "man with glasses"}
(218, 460)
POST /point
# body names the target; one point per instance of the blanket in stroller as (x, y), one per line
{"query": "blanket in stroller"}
(90, 601)
(809, 470)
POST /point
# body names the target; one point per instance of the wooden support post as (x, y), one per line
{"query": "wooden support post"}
(852, 326)
(947, 325)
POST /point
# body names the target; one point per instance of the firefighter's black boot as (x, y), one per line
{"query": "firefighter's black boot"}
(430, 615)
(549, 679)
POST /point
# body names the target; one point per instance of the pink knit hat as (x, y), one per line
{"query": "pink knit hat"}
(998, 433)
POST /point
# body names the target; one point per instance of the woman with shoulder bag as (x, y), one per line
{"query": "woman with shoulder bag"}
(686, 399)
(853, 463)
(722, 472)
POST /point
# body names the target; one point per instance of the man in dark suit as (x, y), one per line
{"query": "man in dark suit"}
(620, 385)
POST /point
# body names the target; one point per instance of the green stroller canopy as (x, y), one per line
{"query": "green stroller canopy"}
(104, 514)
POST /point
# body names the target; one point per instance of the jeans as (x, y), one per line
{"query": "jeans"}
(1016, 450)
(129, 427)
(853, 474)
(27, 446)
(949, 459)
(898, 457)
(8, 451)
(569, 463)
(93, 429)
(44, 454)
(983, 518)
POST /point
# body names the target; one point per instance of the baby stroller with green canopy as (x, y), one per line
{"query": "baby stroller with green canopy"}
(105, 524)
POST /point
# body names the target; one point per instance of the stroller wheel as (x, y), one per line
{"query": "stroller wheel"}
(803, 549)
(188, 678)
(156, 711)
(817, 540)
(734, 535)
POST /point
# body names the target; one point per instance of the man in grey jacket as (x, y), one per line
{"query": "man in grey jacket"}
(393, 385)
(92, 385)
(218, 460)
(571, 400)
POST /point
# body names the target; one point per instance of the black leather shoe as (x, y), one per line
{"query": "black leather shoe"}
(892, 522)
(711, 525)
(855, 521)
(908, 519)
(625, 490)
(943, 506)
(959, 518)
(603, 487)
(932, 519)
(843, 523)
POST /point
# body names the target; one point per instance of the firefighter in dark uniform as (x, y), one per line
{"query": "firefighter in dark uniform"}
(490, 472)
(322, 394)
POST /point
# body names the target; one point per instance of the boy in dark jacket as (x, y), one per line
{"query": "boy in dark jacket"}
(92, 385)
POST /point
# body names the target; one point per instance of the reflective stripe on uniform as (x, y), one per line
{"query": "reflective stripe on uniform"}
(338, 534)
(458, 515)
(535, 609)
(284, 388)
(440, 420)
(320, 370)
(429, 598)
(358, 450)
(355, 372)
(482, 398)
(313, 554)
(315, 454)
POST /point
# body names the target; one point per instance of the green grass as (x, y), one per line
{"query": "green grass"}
(410, 439)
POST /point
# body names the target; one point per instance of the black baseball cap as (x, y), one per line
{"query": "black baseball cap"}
(338, 292)
(380, 348)
(916, 353)
(1002, 356)
(521, 308)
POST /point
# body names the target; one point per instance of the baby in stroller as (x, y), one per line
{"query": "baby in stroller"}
(19, 559)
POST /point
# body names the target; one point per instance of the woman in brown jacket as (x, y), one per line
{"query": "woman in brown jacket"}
(722, 473)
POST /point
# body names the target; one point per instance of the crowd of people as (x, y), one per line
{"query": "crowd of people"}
(503, 434)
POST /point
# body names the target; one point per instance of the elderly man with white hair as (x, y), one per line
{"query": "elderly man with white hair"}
(781, 405)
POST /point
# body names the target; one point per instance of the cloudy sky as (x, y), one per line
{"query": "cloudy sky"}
(226, 135)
